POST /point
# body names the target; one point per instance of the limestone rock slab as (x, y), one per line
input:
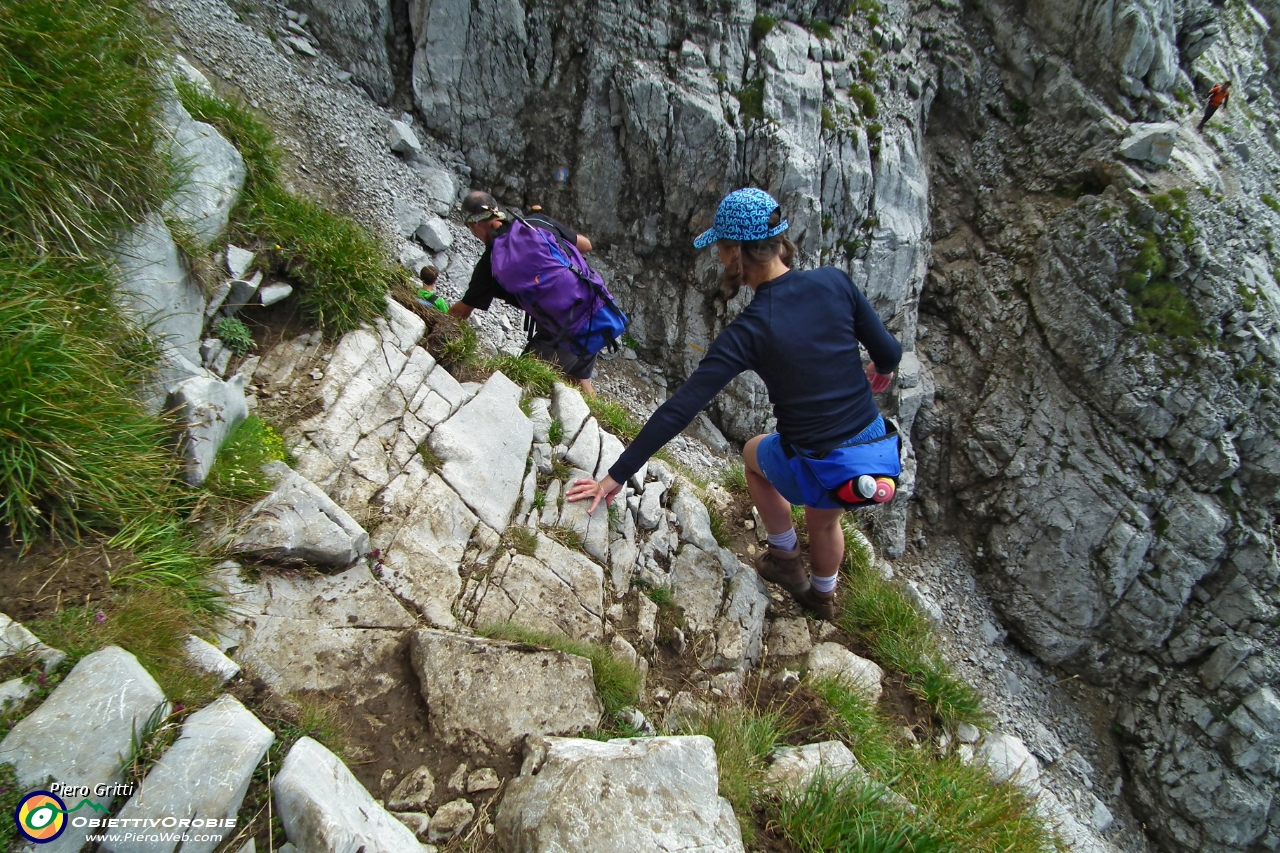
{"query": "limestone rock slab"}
(81, 733)
(593, 529)
(740, 627)
(209, 410)
(570, 409)
(694, 521)
(324, 808)
(489, 693)
(205, 775)
(1007, 759)
(299, 521)
(832, 660)
(215, 173)
(697, 583)
(16, 639)
(647, 794)
(555, 590)
(484, 447)
(1152, 142)
(206, 657)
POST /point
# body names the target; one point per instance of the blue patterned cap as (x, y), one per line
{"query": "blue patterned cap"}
(742, 215)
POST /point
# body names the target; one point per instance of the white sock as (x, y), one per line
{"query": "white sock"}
(784, 541)
(826, 586)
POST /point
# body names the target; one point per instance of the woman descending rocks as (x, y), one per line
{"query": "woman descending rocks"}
(801, 334)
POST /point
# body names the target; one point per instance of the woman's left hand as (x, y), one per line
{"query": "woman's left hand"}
(607, 489)
(879, 381)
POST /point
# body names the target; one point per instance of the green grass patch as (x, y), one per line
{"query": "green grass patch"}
(751, 100)
(865, 99)
(744, 738)
(1270, 201)
(734, 479)
(761, 26)
(617, 682)
(960, 808)
(235, 334)
(79, 159)
(76, 449)
(663, 596)
(848, 814)
(10, 795)
(822, 30)
(521, 539)
(555, 433)
(534, 376)
(237, 472)
(720, 528)
(614, 417)
(344, 271)
(899, 637)
(566, 537)
(152, 624)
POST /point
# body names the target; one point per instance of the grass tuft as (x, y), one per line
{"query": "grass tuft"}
(848, 814)
(744, 738)
(521, 539)
(152, 624)
(534, 376)
(343, 270)
(617, 682)
(79, 158)
(237, 472)
(614, 417)
(76, 449)
(960, 808)
(899, 637)
(235, 334)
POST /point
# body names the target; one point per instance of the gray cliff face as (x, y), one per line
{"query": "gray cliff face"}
(1104, 339)
(1092, 340)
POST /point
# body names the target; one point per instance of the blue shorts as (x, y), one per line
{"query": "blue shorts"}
(777, 468)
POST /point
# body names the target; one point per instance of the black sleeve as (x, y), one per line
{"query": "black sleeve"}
(730, 354)
(483, 286)
(884, 349)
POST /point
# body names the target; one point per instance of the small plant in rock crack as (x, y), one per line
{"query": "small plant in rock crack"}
(430, 460)
(235, 334)
(568, 538)
(150, 740)
(522, 540)
(555, 433)
(539, 500)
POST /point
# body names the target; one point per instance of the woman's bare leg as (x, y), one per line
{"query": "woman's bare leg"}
(774, 509)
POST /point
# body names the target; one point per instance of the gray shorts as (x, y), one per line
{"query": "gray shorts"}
(573, 365)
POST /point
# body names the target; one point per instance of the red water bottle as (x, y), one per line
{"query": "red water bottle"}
(858, 490)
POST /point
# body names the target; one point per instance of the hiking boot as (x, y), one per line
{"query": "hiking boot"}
(821, 605)
(786, 569)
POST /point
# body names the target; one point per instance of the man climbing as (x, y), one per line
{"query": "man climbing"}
(486, 222)
(1219, 95)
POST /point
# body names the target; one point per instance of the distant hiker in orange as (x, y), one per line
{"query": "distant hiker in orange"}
(1218, 97)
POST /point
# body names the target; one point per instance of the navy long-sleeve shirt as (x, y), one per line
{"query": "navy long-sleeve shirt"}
(800, 334)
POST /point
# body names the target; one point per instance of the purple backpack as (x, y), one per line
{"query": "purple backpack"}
(557, 288)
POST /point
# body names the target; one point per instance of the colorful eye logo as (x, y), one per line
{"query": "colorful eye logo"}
(41, 817)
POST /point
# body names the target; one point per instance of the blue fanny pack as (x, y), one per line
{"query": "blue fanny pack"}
(820, 475)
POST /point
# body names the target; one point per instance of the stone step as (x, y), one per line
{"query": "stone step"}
(84, 731)
(202, 777)
(656, 793)
(324, 808)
